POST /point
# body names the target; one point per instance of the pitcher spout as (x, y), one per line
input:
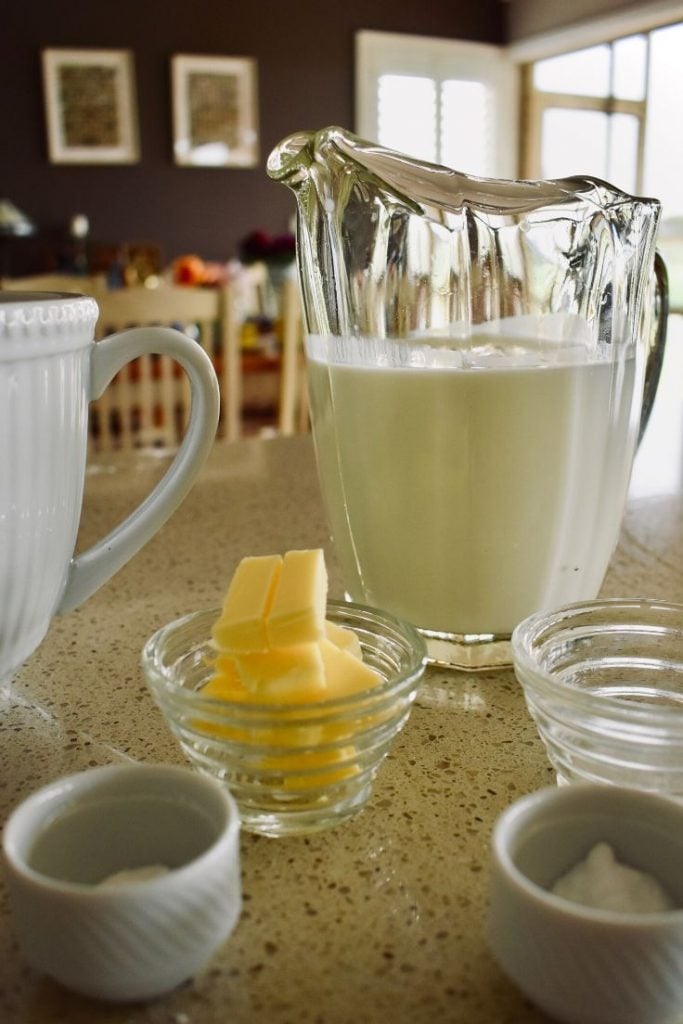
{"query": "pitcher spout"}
(288, 163)
(392, 247)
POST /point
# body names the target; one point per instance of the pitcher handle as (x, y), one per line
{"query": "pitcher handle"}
(89, 570)
(655, 355)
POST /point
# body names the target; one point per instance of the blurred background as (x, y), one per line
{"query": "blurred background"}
(525, 87)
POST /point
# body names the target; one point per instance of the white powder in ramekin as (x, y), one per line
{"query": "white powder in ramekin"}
(144, 874)
(602, 882)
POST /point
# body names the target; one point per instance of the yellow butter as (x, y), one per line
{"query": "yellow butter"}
(292, 673)
(225, 684)
(344, 673)
(313, 769)
(297, 614)
(274, 644)
(242, 624)
(345, 638)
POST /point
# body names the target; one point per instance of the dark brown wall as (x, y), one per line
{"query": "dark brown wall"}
(305, 53)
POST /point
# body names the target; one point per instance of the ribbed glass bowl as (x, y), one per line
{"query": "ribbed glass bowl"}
(603, 681)
(292, 768)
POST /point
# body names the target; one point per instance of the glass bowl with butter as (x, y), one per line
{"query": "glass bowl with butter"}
(603, 681)
(290, 699)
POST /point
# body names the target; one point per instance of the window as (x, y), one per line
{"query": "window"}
(610, 108)
(586, 113)
(449, 102)
(416, 135)
(611, 111)
(663, 159)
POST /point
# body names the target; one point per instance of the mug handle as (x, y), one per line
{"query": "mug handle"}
(657, 344)
(89, 570)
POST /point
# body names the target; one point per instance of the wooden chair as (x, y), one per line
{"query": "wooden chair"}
(94, 284)
(147, 403)
(293, 410)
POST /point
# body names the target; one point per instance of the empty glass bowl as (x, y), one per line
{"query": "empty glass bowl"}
(292, 768)
(603, 681)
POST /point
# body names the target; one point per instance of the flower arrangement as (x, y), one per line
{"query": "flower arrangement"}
(273, 250)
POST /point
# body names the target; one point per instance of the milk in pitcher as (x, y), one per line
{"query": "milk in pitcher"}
(468, 489)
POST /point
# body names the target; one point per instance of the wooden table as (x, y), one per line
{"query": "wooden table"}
(381, 919)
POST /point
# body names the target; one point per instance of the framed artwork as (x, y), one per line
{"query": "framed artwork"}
(90, 106)
(215, 113)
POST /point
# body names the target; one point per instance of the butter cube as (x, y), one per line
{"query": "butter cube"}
(225, 683)
(274, 644)
(242, 624)
(344, 673)
(293, 673)
(345, 638)
(297, 613)
(314, 768)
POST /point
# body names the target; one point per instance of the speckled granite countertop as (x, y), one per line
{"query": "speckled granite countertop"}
(378, 920)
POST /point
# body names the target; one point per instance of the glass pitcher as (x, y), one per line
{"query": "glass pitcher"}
(476, 356)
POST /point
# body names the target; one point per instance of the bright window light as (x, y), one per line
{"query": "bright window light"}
(467, 127)
(407, 115)
(582, 73)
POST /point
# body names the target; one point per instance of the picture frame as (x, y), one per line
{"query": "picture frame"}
(215, 111)
(90, 106)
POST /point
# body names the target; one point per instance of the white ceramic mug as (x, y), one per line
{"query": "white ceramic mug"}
(50, 369)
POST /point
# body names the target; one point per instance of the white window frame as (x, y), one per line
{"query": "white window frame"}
(594, 31)
(538, 101)
(382, 53)
(597, 32)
